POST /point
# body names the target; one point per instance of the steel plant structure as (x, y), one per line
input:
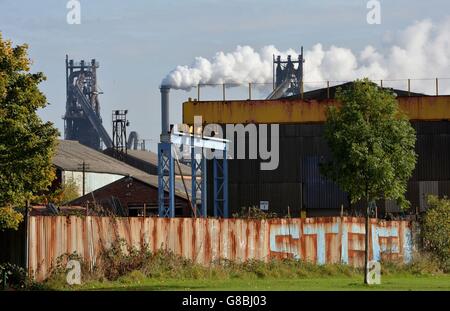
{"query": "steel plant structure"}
(82, 118)
(287, 79)
(120, 124)
(167, 157)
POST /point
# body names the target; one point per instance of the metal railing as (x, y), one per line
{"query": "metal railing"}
(257, 90)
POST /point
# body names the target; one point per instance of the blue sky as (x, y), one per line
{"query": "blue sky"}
(138, 42)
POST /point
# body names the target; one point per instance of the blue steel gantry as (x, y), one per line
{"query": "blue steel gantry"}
(166, 180)
(166, 174)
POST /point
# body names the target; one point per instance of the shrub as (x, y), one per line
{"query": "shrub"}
(253, 212)
(421, 264)
(10, 218)
(436, 230)
(120, 259)
(58, 272)
(12, 276)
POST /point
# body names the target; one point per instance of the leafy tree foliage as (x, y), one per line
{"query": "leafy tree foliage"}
(436, 230)
(372, 144)
(69, 191)
(26, 142)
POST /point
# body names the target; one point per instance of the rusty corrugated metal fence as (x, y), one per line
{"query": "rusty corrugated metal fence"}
(320, 240)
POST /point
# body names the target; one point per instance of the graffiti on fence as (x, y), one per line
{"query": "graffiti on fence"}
(339, 241)
(319, 240)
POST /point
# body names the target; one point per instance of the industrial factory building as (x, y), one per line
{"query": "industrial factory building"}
(147, 161)
(131, 196)
(108, 185)
(297, 184)
(86, 167)
(109, 171)
(295, 187)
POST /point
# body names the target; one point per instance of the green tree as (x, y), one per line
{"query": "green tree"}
(436, 230)
(26, 143)
(372, 146)
(68, 192)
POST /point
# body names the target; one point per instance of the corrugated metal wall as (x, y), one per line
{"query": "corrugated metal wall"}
(302, 147)
(320, 240)
(93, 181)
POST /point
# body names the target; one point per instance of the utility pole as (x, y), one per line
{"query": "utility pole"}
(84, 178)
(83, 167)
(366, 243)
(371, 208)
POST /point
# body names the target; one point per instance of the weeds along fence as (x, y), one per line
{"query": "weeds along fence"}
(318, 240)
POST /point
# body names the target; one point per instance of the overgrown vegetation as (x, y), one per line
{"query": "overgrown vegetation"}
(12, 276)
(423, 264)
(253, 212)
(436, 230)
(68, 192)
(10, 218)
(16, 278)
(125, 265)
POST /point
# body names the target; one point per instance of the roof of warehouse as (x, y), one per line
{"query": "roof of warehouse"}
(152, 158)
(323, 93)
(70, 155)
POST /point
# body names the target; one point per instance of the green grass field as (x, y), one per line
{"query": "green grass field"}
(400, 282)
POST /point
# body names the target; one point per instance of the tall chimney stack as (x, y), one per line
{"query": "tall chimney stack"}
(164, 109)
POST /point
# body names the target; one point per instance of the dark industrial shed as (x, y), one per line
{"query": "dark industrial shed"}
(297, 183)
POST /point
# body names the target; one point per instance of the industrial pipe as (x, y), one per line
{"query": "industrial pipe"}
(164, 109)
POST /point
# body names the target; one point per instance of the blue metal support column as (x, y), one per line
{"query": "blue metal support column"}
(166, 180)
(198, 145)
(220, 184)
(204, 207)
(198, 169)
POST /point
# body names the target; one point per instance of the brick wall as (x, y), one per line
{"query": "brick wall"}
(131, 193)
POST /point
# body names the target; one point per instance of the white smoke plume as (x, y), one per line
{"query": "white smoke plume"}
(421, 51)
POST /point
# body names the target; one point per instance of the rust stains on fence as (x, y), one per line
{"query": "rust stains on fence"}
(320, 240)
